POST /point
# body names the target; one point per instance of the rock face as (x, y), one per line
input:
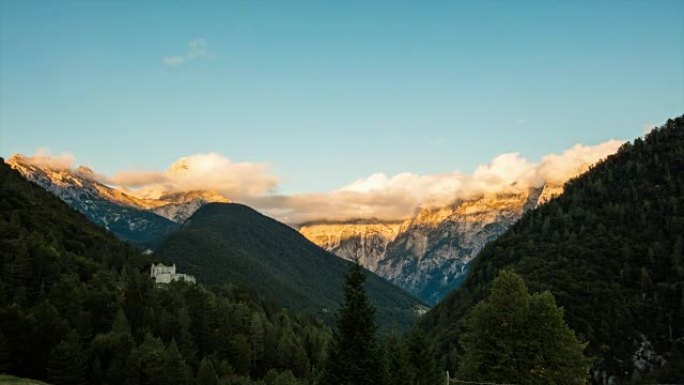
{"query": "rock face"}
(366, 240)
(428, 254)
(139, 220)
(180, 206)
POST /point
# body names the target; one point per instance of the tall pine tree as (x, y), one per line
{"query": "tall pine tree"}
(353, 357)
(5, 363)
(66, 365)
(398, 370)
(422, 359)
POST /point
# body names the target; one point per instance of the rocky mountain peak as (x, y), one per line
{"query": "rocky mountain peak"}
(428, 253)
(82, 185)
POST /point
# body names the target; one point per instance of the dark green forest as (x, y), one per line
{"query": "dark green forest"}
(610, 250)
(229, 242)
(78, 306)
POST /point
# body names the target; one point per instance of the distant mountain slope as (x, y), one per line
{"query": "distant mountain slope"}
(140, 221)
(43, 243)
(26, 206)
(610, 250)
(232, 242)
(428, 254)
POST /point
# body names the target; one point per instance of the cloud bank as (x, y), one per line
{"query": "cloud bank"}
(376, 196)
(43, 158)
(397, 197)
(213, 172)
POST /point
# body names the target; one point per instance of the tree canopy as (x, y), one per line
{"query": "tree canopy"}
(512, 336)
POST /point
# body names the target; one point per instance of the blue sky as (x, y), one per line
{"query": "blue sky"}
(329, 92)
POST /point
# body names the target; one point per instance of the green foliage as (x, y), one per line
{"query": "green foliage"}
(354, 357)
(66, 365)
(5, 363)
(206, 374)
(177, 370)
(152, 361)
(397, 369)
(233, 243)
(422, 360)
(610, 255)
(513, 336)
(274, 377)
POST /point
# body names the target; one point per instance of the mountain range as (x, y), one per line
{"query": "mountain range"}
(142, 221)
(220, 242)
(426, 254)
(429, 253)
(607, 245)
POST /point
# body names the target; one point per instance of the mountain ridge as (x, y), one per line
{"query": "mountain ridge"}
(233, 242)
(141, 220)
(428, 253)
(610, 250)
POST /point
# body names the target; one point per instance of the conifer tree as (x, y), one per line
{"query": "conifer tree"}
(66, 365)
(520, 338)
(240, 355)
(152, 361)
(300, 362)
(5, 362)
(422, 359)
(177, 370)
(256, 337)
(353, 356)
(206, 374)
(398, 369)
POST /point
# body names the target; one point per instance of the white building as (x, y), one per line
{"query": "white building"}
(165, 274)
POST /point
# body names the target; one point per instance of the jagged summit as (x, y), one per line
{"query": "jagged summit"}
(139, 219)
(428, 253)
(69, 184)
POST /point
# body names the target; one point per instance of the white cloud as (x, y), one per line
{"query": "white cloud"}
(396, 197)
(196, 48)
(212, 171)
(44, 158)
(376, 196)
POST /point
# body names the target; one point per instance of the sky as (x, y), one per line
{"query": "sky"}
(320, 95)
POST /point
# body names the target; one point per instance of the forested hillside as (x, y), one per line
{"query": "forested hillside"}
(228, 242)
(610, 250)
(78, 306)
